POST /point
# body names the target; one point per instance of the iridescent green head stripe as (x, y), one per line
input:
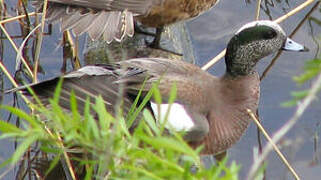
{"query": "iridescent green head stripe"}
(256, 33)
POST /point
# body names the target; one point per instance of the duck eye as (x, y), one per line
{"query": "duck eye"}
(269, 34)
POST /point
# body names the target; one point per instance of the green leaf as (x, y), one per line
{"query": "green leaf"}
(149, 118)
(157, 159)
(89, 122)
(123, 126)
(23, 147)
(134, 105)
(171, 99)
(53, 164)
(23, 115)
(89, 173)
(300, 94)
(9, 128)
(169, 143)
(105, 119)
(132, 117)
(173, 93)
(58, 90)
(290, 103)
(73, 105)
(143, 171)
(157, 94)
(312, 68)
(49, 149)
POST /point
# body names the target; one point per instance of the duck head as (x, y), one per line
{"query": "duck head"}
(254, 41)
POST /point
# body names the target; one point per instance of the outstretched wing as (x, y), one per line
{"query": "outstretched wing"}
(112, 19)
(140, 7)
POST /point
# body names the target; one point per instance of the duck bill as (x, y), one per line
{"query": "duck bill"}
(291, 45)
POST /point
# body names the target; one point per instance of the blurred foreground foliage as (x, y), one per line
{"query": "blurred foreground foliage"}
(312, 69)
(100, 146)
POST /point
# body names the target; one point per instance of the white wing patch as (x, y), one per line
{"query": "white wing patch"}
(178, 119)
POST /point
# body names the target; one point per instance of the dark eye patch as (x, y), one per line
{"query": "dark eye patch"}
(269, 34)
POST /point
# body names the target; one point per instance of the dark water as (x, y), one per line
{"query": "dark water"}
(210, 33)
(217, 27)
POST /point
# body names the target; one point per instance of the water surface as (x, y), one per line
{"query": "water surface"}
(211, 32)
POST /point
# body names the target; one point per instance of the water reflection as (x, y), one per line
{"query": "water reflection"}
(301, 145)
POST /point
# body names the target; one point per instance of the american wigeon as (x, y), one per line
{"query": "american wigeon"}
(212, 110)
(113, 19)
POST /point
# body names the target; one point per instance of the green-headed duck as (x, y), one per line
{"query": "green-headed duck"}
(212, 110)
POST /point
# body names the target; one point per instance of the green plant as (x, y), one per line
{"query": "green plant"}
(103, 146)
(311, 69)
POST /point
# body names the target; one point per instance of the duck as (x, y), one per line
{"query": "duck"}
(114, 19)
(210, 110)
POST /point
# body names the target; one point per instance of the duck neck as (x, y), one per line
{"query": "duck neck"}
(241, 59)
(240, 67)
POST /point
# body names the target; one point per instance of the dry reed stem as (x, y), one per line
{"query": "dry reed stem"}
(258, 7)
(39, 42)
(11, 168)
(6, 72)
(294, 11)
(74, 49)
(37, 55)
(280, 19)
(16, 49)
(11, 79)
(71, 170)
(61, 145)
(214, 60)
(2, 7)
(276, 149)
(33, 74)
(302, 106)
(18, 17)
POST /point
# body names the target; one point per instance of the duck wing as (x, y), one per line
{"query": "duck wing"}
(112, 19)
(134, 75)
(93, 80)
(88, 82)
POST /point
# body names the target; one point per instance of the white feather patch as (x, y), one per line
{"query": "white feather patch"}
(272, 24)
(88, 70)
(178, 119)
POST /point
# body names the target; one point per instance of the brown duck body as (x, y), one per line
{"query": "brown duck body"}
(228, 112)
(171, 11)
(222, 101)
(114, 18)
(217, 105)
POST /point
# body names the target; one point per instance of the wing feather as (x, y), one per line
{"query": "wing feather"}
(112, 19)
